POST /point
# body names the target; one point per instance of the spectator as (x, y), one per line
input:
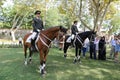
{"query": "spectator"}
(85, 46)
(96, 42)
(113, 43)
(102, 49)
(20, 41)
(117, 48)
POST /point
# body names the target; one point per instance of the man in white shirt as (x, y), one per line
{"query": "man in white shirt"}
(113, 43)
(85, 46)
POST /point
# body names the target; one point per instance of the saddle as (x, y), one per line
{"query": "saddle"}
(70, 41)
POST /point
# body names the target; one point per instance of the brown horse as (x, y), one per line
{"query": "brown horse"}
(43, 43)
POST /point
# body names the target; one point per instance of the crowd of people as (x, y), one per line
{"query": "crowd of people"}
(115, 47)
(97, 48)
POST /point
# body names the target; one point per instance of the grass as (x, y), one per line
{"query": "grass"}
(58, 68)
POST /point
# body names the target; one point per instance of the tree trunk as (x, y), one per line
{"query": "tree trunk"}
(16, 24)
(103, 15)
(80, 13)
(13, 35)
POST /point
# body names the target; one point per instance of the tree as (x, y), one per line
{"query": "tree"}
(115, 24)
(53, 17)
(91, 13)
(67, 8)
(1, 12)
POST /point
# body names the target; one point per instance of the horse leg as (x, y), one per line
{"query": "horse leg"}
(45, 58)
(76, 52)
(79, 55)
(66, 46)
(42, 66)
(30, 55)
(25, 54)
(42, 63)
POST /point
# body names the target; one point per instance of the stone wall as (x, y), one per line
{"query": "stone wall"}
(5, 33)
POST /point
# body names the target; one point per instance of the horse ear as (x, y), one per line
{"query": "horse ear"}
(95, 32)
(61, 27)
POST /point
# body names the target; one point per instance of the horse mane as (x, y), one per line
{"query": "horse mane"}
(51, 29)
(86, 33)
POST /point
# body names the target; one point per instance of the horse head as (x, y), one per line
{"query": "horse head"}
(92, 35)
(62, 29)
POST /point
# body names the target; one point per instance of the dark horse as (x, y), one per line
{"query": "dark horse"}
(43, 42)
(78, 43)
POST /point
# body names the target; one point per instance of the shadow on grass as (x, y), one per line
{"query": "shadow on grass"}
(58, 68)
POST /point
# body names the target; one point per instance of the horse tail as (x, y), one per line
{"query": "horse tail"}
(25, 46)
(25, 51)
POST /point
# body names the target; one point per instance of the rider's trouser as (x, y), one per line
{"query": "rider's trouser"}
(32, 36)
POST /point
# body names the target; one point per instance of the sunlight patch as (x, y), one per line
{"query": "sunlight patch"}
(7, 61)
(84, 67)
(103, 69)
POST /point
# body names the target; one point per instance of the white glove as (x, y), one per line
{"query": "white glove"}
(38, 30)
(76, 33)
(72, 36)
(42, 29)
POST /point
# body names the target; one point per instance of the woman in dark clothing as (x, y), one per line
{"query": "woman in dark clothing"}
(102, 49)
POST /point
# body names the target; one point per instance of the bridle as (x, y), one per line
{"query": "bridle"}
(47, 45)
(45, 38)
(79, 39)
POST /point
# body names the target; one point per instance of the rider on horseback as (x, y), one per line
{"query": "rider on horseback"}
(74, 30)
(37, 24)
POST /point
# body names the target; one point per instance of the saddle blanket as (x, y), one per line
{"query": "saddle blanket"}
(69, 39)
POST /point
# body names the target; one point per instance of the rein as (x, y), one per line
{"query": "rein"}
(46, 37)
(44, 41)
(79, 39)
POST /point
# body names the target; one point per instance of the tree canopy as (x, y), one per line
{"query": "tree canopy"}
(92, 14)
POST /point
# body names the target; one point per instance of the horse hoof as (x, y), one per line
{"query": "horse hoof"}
(43, 75)
(80, 62)
(42, 71)
(60, 48)
(74, 61)
(65, 55)
(30, 62)
(25, 63)
(45, 72)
